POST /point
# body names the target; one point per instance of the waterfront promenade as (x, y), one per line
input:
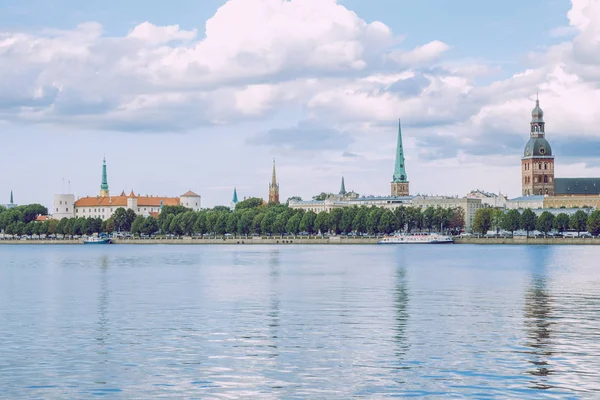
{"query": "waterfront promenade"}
(303, 240)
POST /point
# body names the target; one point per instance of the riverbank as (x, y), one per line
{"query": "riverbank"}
(335, 240)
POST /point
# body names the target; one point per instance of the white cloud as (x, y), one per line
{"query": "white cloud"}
(425, 54)
(161, 34)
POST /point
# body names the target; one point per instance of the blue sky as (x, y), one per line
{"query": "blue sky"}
(317, 85)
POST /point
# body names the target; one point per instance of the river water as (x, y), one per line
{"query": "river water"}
(298, 322)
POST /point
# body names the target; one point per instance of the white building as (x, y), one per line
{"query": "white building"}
(63, 206)
(532, 202)
(489, 199)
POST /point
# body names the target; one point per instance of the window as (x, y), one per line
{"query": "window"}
(67, 209)
(545, 166)
(57, 210)
(540, 167)
(545, 179)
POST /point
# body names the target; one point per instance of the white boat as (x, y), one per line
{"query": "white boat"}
(417, 238)
(96, 240)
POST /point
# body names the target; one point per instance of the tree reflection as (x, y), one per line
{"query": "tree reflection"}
(538, 323)
(274, 273)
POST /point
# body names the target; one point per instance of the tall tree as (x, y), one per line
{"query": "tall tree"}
(335, 220)
(528, 220)
(322, 222)
(293, 224)
(280, 224)
(561, 222)
(544, 222)
(482, 222)
(307, 224)
(511, 221)
(578, 221)
(386, 222)
(137, 225)
(593, 223)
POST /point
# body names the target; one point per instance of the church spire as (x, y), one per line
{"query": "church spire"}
(343, 188)
(399, 170)
(274, 188)
(104, 185)
(235, 197)
(11, 198)
(399, 180)
(537, 120)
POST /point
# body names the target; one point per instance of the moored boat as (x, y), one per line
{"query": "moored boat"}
(96, 240)
(417, 238)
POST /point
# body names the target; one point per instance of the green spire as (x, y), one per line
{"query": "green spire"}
(11, 197)
(235, 198)
(343, 188)
(104, 185)
(399, 170)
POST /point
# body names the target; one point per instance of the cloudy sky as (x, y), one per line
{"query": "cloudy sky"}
(202, 95)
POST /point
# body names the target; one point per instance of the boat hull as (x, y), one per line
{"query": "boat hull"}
(101, 241)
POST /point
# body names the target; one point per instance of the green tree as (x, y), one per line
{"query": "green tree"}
(348, 214)
(373, 219)
(511, 221)
(457, 219)
(188, 222)
(322, 222)
(232, 223)
(578, 221)
(176, 226)
(528, 220)
(322, 196)
(293, 224)
(593, 223)
(359, 223)
(497, 219)
(561, 222)
(413, 218)
(165, 225)
(31, 211)
(245, 222)
(280, 224)
(257, 222)
(266, 224)
(200, 227)
(428, 218)
(482, 222)
(150, 226)
(252, 202)
(137, 225)
(221, 226)
(307, 224)
(335, 220)
(545, 222)
(386, 222)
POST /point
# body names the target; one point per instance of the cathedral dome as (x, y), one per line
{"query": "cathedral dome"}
(537, 147)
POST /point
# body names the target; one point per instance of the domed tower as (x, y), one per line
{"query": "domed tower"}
(537, 164)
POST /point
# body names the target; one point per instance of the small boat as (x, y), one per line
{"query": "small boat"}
(417, 238)
(96, 240)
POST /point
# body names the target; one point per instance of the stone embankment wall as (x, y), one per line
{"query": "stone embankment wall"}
(41, 241)
(534, 241)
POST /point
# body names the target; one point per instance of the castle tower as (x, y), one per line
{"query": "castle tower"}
(343, 188)
(537, 163)
(400, 180)
(104, 185)
(274, 188)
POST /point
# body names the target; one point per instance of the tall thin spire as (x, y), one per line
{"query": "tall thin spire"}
(104, 185)
(274, 188)
(343, 188)
(399, 169)
(235, 196)
(11, 198)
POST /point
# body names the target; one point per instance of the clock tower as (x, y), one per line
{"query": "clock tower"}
(537, 164)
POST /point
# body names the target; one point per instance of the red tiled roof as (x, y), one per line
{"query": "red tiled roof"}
(42, 218)
(121, 201)
(189, 193)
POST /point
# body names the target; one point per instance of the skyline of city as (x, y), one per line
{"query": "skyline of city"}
(188, 113)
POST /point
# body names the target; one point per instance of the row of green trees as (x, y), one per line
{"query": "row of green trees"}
(253, 217)
(513, 220)
(20, 214)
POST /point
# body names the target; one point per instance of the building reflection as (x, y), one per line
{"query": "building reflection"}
(274, 313)
(538, 322)
(401, 300)
(102, 324)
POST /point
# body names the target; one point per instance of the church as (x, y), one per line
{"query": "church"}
(538, 172)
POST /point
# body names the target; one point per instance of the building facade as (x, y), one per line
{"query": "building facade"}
(274, 188)
(537, 163)
(399, 185)
(468, 205)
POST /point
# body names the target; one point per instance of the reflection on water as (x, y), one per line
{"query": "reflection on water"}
(299, 322)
